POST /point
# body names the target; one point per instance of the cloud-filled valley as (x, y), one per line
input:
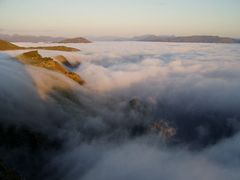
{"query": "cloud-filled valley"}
(148, 111)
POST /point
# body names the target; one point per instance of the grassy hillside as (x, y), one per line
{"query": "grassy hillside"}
(35, 59)
(6, 46)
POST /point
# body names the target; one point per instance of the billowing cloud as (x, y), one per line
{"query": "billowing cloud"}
(148, 111)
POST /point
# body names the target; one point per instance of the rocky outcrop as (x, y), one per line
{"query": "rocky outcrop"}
(75, 40)
(164, 129)
(63, 60)
(35, 59)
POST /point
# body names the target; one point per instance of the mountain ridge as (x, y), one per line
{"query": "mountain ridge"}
(36, 39)
(186, 39)
(5, 46)
(75, 40)
(35, 59)
(29, 38)
(144, 38)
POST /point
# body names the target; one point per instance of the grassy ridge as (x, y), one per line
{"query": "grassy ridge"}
(35, 59)
(6, 46)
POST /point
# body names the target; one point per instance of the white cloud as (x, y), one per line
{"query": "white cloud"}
(193, 86)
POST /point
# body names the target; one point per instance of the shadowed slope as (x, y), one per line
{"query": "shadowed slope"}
(8, 173)
(65, 62)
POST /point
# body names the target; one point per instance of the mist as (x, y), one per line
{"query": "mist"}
(147, 111)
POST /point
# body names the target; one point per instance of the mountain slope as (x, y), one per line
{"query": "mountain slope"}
(29, 38)
(190, 39)
(35, 59)
(75, 40)
(5, 46)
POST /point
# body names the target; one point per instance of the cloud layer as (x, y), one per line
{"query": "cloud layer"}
(148, 111)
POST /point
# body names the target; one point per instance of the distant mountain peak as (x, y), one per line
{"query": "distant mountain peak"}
(5, 46)
(29, 38)
(75, 40)
(190, 39)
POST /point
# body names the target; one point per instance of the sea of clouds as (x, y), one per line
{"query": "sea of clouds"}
(102, 130)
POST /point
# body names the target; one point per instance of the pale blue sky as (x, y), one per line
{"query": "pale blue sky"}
(120, 17)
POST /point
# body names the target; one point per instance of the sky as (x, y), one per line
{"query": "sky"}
(120, 17)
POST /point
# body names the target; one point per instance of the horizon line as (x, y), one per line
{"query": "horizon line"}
(119, 36)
